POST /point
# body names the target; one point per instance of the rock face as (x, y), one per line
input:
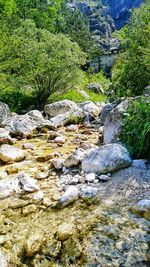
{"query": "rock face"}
(107, 158)
(9, 154)
(4, 112)
(60, 107)
(119, 10)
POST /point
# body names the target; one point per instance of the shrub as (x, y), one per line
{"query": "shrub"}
(18, 100)
(136, 129)
(131, 72)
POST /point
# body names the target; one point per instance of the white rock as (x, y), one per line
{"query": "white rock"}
(58, 163)
(69, 196)
(3, 261)
(28, 184)
(59, 107)
(90, 177)
(41, 175)
(9, 187)
(59, 140)
(38, 196)
(72, 128)
(9, 153)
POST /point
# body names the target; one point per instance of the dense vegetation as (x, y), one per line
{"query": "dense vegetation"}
(136, 129)
(131, 73)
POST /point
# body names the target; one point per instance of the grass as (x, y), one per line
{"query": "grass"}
(75, 96)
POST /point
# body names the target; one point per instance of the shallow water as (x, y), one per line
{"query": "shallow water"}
(104, 233)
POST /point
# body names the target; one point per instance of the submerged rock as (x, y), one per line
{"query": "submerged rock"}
(142, 208)
(9, 154)
(69, 196)
(88, 192)
(33, 244)
(107, 158)
(28, 184)
(3, 261)
(65, 230)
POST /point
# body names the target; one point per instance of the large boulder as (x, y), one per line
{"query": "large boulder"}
(60, 107)
(113, 121)
(10, 154)
(4, 112)
(24, 125)
(108, 158)
(112, 117)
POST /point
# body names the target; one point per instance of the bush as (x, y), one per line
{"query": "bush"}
(136, 129)
(18, 101)
(131, 72)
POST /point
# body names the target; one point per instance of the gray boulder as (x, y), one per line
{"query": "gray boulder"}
(4, 112)
(9, 153)
(60, 107)
(113, 122)
(25, 125)
(108, 158)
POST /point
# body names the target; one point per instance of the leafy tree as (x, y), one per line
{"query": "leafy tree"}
(131, 74)
(40, 62)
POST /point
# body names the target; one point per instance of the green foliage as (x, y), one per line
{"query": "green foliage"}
(18, 100)
(40, 62)
(74, 119)
(131, 73)
(136, 129)
(76, 96)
